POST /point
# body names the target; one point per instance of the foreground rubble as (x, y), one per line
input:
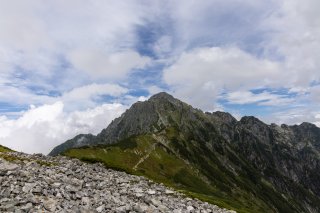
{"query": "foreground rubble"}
(37, 183)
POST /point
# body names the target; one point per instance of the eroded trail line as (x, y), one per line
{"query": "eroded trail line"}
(152, 148)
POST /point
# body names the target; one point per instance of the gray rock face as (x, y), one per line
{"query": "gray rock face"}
(142, 117)
(36, 183)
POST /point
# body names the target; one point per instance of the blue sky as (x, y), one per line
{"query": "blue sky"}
(71, 67)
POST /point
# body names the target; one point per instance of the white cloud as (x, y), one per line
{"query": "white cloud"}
(296, 38)
(288, 52)
(202, 74)
(42, 128)
(299, 90)
(43, 43)
(163, 46)
(21, 27)
(263, 98)
(19, 96)
(77, 23)
(315, 94)
(77, 98)
(154, 89)
(89, 95)
(57, 119)
(113, 66)
(294, 116)
(216, 22)
(86, 92)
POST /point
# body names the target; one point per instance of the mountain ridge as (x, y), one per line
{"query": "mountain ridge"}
(232, 160)
(226, 117)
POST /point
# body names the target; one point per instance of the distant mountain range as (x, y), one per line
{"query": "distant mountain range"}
(244, 165)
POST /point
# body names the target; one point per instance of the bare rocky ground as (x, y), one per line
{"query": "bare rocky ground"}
(37, 183)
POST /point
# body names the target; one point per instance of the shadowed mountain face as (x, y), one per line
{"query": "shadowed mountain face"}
(244, 165)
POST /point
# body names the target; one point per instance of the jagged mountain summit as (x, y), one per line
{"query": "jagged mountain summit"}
(141, 118)
(244, 165)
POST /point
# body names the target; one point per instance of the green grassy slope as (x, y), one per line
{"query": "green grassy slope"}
(162, 165)
(5, 149)
(211, 172)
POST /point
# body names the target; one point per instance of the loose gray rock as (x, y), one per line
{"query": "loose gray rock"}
(58, 184)
(6, 166)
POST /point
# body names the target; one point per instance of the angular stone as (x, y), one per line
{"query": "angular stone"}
(6, 166)
(151, 192)
(155, 202)
(86, 201)
(58, 195)
(138, 190)
(190, 208)
(100, 208)
(27, 207)
(36, 189)
(50, 204)
(169, 192)
(56, 185)
(140, 208)
(138, 195)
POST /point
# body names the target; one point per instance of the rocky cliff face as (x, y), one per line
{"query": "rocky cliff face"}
(36, 183)
(244, 163)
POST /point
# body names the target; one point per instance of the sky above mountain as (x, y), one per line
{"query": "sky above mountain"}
(69, 67)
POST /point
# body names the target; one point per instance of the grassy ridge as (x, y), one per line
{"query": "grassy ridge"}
(4, 153)
(5, 149)
(163, 166)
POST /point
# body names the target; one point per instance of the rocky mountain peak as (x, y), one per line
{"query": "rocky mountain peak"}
(251, 121)
(161, 96)
(224, 117)
(308, 125)
(164, 99)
